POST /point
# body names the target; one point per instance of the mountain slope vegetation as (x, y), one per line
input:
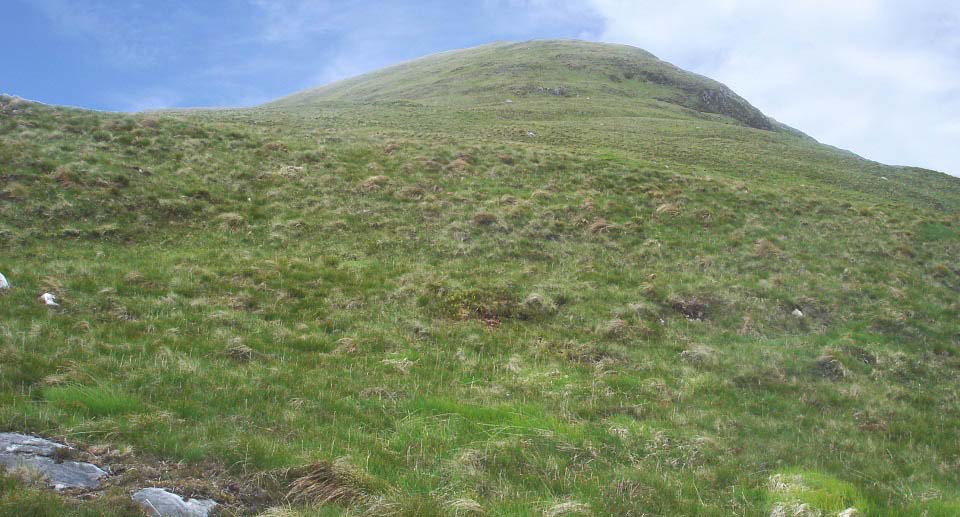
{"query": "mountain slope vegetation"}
(549, 277)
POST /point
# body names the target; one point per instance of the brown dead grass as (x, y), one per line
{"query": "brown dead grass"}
(763, 248)
(325, 482)
(275, 146)
(240, 352)
(231, 220)
(458, 165)
(411, 192)
(484, 219)
(373, 183)
(600, 225)
(345, 346)
(668, 209)
(700, 355)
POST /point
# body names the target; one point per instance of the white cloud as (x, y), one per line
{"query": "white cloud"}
(878, 77)
(346, 40)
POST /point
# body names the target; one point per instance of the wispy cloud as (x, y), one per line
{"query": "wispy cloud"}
(335, 40)
(361, 36)
(297, 20)
(125, 39)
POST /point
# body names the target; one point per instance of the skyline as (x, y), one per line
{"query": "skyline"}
(871, 76)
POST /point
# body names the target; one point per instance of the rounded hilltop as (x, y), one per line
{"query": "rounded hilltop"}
(553, 69)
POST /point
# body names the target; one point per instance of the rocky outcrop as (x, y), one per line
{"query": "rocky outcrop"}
(20, 452)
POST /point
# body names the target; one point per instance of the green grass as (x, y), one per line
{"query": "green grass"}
(597, 318)
(27, 495)
(91, 400)
(818, 491)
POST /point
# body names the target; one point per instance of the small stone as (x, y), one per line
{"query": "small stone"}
(3, 282)
(49, 299)
(161, 503)
(797, 313)
(849, 512)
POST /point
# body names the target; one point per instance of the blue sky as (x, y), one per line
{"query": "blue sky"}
(133, 55)
(878, 77)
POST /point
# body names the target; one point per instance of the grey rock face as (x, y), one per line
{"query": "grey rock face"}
(17, 443)
(160, 503)
(19, 451)
(68, 474)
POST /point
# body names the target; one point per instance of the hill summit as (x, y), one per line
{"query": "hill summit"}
(603, 73)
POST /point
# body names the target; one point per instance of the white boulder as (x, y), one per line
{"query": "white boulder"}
(161, 503)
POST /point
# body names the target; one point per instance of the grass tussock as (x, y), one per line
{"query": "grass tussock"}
(374, 183)
(327, 482)
(240, 352)
(98, 400)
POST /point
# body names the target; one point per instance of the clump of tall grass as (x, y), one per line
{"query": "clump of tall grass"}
(96, 400)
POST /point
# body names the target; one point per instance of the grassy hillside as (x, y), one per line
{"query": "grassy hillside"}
(403, 294)
(613, 77)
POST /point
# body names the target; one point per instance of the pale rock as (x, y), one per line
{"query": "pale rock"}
(16, 443)
(49, 299)
(161, 503)
(59, 475)
(32, 454)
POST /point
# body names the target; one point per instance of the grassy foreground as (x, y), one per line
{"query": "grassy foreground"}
(457, 305)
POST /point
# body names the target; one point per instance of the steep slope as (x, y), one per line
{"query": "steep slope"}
(402, 293)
